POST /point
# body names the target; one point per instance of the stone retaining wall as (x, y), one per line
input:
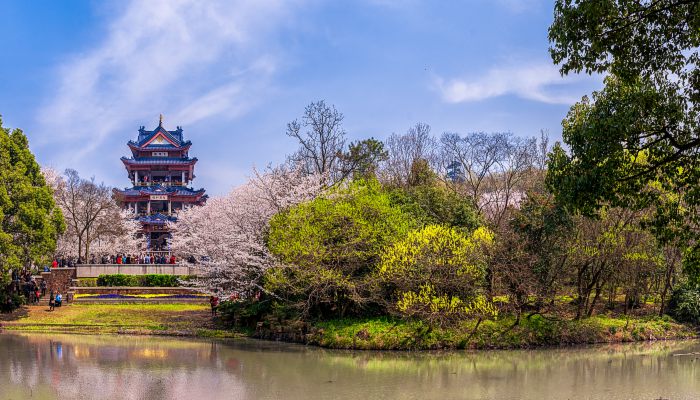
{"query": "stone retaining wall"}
(95, 270)
(59, 280)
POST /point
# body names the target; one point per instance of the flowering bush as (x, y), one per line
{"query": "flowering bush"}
(437, 273)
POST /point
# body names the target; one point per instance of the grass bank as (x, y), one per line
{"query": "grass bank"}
(195, 320)
(145, 319)
(537, 331)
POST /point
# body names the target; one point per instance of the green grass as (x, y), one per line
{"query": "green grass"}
(161, 319)
(392, 334)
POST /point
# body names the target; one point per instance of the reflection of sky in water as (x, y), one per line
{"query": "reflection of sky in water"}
(128, 367)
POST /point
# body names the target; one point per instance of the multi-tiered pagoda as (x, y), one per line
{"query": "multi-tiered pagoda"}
(161, 171)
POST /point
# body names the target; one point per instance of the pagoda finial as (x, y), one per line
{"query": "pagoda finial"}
(160, 122)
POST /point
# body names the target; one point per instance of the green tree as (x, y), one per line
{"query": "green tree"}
(437, 274)
(529, 257)
(435, 203)
(331, 245)
(30, 222)
(636, 142)
(362, 159)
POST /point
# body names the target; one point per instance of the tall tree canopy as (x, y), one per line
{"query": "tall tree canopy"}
(636, 142)
(30, 222)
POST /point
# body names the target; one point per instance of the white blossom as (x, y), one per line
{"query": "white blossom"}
(227, 235)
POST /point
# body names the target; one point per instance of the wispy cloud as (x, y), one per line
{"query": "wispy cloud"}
(536, 81)
(187, 58)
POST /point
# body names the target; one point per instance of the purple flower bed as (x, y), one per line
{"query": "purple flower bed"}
(126, 296)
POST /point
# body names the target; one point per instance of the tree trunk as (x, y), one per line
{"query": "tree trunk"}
(80, 245)
(667, 287)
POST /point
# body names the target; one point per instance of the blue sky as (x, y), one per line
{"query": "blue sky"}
(81, 77)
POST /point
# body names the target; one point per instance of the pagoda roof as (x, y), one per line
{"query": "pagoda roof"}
(159, 189)
(159, 138)
(159, 160)
(157, 146)
(157, 219)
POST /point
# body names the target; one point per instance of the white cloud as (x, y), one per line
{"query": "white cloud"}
(156, 57)
(537, 81)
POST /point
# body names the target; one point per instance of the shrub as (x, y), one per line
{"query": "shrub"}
(15, 301)
(685, 304)
(433, 203)
(436, 274)
(116, 280)
(87, 282)
(243, 313)
(331, 245)
(151, 280)
(154, 280)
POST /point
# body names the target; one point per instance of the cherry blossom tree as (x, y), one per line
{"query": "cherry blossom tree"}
(227, 235)
(95, 223)
(122, 236)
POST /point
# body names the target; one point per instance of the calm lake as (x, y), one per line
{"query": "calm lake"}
(39, 366)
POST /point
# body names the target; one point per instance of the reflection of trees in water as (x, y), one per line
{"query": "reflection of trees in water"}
(108, 367)
(113, 367)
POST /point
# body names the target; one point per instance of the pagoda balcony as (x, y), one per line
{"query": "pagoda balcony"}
(164, 184)
(144, 213)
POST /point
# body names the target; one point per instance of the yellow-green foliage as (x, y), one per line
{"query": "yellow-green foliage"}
(442, 246)
(437, 273)
(427, 301)
(345, 229)
(330, 247)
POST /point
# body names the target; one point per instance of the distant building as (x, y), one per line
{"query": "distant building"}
(455, 172)
(161, 172)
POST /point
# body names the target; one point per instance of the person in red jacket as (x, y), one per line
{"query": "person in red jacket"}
(54, 263)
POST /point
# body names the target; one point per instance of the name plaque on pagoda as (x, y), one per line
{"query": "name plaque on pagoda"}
(159, 197)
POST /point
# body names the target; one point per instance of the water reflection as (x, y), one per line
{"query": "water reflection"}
(126, 367)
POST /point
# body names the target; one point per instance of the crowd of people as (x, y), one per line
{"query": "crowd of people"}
(24, 283)
(145, 258)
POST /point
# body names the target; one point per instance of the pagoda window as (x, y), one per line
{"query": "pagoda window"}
(159, 206)
(160, 154)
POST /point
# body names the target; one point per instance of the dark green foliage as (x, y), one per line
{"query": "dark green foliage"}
(15, 301)
(362, 158)
(244, 313)
(685, 304)
(157, 280)
(434, 203)
(635, 143)
(116, 280)
(543, 228)
(626, 37)
(151, 280)
(30, 222)
(691, 264)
